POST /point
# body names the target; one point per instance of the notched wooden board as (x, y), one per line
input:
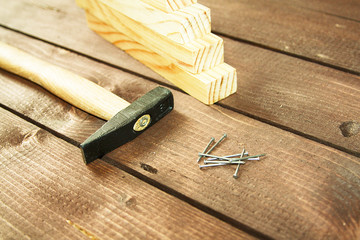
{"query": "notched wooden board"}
(208, 86)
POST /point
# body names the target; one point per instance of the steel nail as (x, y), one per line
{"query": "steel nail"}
(224, 162)
(229, 156)
(217, 157)
(247, 157)
(217, 143)
(238, 166)
(212, 165)
(206, 148)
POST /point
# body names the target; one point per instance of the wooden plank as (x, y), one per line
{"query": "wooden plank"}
(208, 86)
(283, 26)
(193, 56)
(296, 95)
(302, 189)
(289, 78)
(349, 9)
(182, 26)
(170, 5)
(48, 193)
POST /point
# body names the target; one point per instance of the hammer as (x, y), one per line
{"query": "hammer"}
(125, 121)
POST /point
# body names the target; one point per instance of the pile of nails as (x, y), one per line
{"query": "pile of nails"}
(234, 159)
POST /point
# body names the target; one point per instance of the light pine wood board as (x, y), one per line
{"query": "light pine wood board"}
(182, 26)
(193, 56)
(208, 86)
(288, 28)
(296, 192)
(295, 83)
(170, 5)
(48, 193)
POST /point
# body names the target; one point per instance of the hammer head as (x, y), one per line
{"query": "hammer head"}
(128, 123)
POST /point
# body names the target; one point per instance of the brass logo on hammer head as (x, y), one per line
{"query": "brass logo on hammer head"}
(142, 123)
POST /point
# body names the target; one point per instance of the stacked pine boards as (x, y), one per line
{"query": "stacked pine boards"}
(172, 37)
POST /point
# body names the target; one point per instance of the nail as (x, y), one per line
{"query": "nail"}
(224, 162)
(216, 157)
(247, 157)
(254, 157)
(212, 165)
(238, 166)
(217, 143)
(229, 156)
(206, 148)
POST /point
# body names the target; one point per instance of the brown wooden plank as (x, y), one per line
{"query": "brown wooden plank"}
(349, 9)
(302, 189)
(295, 94)
(276, 86)
(48, 193)
(285, 27)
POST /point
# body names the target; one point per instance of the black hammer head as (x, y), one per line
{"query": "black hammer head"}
(128, 123)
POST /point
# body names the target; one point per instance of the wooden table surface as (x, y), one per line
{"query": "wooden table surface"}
(298, 99)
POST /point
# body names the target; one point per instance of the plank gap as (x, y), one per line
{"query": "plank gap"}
(43, 192)
(192, 202)
(326, 12)
(39, 125)
(289, 129)
(263, 120)
(294, 55)
(148, 180)
(331, 14)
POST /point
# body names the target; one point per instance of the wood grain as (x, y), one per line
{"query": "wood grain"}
(170, 5)
(302, 189)
(48, 193)
(290, 78)
(283, 26)
(349, 9)
(182, 26)
(208, 86)
(193, 56)
(295, 95)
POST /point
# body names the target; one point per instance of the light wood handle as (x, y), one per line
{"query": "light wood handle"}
(72, 88)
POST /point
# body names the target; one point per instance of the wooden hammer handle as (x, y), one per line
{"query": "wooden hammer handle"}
(72, 88)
